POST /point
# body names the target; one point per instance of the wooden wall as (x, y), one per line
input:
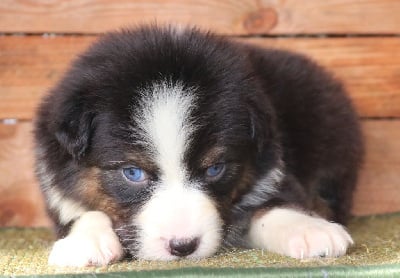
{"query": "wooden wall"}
(358, 40)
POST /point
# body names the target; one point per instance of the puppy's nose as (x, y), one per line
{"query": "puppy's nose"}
(183, 246)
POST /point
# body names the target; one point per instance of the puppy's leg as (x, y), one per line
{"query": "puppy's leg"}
(91, 241)
(293, 233)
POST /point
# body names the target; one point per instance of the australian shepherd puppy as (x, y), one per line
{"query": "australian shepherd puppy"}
(163, 143)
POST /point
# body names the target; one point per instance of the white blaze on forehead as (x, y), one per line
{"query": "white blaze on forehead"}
(164, 121)
(177, 208)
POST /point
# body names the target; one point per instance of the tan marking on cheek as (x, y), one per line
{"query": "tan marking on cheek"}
(94, 195)
(244, 184)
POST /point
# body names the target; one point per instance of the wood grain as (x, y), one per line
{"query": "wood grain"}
(225, 16)
(29, 66)
(378, 190)
(369, 67)
(21, 204)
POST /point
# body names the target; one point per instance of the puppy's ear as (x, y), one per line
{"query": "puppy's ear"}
(263, 130)
(74, 130)
(262, 122)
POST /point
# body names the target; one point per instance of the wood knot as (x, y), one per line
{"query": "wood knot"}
(261, 21)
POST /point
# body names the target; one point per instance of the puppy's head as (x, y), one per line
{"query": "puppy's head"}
(161, 130)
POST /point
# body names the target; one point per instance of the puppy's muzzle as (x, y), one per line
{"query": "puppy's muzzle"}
(183, 246)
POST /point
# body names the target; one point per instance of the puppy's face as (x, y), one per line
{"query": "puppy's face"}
(173, 168)
(163, 140)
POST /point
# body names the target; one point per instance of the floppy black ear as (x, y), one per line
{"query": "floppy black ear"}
(264, 131)
(74, 130)
(262, 122)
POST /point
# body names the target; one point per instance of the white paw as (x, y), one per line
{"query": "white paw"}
(297, 235)
(89, 243)
(317, 238)
(84, 251)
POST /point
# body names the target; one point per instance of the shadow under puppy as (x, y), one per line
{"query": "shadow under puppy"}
(163, 143)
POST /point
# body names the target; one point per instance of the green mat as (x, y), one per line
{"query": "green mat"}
(376, 253)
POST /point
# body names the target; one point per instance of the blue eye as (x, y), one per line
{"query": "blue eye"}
(135, 174)
(215, 170)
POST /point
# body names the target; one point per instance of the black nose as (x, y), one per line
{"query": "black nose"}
(183, 246)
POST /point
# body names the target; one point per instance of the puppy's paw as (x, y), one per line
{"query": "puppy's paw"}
(316, 238)
(91, 242)
(85, 250)
(298, 235)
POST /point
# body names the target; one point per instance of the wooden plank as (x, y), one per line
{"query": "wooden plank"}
(369, 67)
(21, 204)
(29, 66)
(378, 189)
(225, 16)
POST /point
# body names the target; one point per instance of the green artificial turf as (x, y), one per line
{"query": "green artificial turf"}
(377, 251)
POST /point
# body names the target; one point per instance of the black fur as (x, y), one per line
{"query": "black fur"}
(268, 108)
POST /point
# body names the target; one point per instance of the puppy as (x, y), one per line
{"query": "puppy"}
(163, 144)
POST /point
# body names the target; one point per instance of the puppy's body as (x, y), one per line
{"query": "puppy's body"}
(180, 142)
